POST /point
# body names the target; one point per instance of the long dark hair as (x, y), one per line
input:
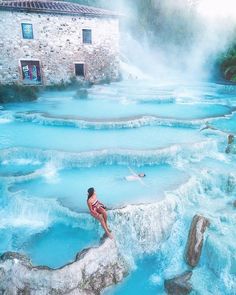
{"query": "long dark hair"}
(90, 192)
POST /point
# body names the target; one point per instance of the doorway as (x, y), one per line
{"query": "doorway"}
(31, 73)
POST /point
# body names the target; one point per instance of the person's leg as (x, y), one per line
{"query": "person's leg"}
(104, 225)
(104, 214)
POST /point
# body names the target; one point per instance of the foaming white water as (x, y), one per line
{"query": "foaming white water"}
(178, 155)
(131, 72)
(220, 258)
(137, 230)
(50, 172)
(6, 117)
(35, 214)
(21, 161)
(159, 227)
(110, 124)
(147, 226)
(125, 122)
(210, 194)
(5, 120)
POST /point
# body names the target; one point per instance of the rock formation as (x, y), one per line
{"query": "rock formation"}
(231, 147)
(179, 285)
(195, 239)
(92, 270)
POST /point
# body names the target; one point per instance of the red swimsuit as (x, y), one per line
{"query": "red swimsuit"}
(96, 207)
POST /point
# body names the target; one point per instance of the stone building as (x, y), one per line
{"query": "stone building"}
(47, 42)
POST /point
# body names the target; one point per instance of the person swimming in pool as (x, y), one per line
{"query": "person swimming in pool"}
(98, 210)
(135, 176)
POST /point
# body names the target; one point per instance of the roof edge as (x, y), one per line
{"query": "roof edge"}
(60, 12)
(94, 11)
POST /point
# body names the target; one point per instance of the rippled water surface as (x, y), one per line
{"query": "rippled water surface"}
(53, 149)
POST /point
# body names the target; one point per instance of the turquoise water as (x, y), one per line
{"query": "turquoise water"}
(53, 149)
(68, 185)
(74, 139)
(41, 247)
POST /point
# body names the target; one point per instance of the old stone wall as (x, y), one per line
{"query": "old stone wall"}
(57, 45)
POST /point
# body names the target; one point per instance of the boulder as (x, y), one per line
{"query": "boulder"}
(234, 204)
(195, 239)
(179, 285)
(230, 139)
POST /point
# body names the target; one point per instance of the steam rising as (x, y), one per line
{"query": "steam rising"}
(182, 38)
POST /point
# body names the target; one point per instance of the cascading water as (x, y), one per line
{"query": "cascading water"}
(53, 149)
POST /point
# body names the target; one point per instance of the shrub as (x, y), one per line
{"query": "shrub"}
(17, 93)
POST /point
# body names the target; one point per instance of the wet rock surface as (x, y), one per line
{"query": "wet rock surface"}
(179, 285)
(93, 270)
(195, 239)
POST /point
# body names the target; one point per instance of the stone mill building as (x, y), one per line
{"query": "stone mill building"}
(47, 42)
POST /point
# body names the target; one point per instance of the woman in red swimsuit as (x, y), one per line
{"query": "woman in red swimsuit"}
(97, 210)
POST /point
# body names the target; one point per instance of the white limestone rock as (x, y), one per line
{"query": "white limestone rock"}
(93, 270)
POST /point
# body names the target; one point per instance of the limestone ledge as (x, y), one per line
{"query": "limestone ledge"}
(93, 270)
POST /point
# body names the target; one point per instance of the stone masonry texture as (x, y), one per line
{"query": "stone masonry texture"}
(58, 45)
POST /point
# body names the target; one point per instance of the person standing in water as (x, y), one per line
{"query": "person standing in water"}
(98, 210)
